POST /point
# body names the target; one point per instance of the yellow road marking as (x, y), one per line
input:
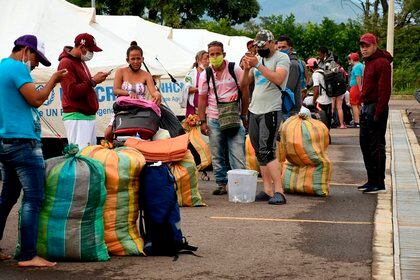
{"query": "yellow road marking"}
(290, 220)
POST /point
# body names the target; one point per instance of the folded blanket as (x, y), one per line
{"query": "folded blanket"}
(165, 150)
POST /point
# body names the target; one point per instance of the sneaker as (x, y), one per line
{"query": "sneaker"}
(221, 190)
(355, 125)
(262, 196)
(375, 189)
(277, 199)
(364, 187)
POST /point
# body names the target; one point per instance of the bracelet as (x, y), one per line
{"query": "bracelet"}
(200, 122)
(244, 117)
(257, 65)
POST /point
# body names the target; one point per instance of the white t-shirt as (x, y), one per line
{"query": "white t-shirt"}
(318, 79)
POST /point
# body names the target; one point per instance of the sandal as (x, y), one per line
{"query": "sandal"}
(221, 190)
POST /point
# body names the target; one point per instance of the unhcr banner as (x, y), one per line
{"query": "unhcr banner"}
(51, 111)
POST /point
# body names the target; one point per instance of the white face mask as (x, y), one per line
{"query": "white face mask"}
(27, 63)
(88, 56)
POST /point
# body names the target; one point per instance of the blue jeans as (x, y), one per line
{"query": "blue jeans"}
(224, 150)
(23, 168)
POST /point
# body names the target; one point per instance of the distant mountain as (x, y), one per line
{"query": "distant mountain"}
(308, 10)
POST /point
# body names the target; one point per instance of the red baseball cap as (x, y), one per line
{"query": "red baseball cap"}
(354, 56)
(368, 38)
(88, 41)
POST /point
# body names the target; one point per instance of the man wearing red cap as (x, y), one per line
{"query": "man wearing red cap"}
(376, 91)
(79, 99)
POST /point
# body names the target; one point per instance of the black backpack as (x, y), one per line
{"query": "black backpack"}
(335, 84)
(160, 218)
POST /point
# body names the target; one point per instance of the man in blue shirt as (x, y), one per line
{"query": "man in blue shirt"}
(21, 159)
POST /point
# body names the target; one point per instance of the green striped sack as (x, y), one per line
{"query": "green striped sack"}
(71, 223)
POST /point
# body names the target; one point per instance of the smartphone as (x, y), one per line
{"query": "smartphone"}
(110, 71)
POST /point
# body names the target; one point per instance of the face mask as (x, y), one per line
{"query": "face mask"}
(88, 56)
(27, 63)
(285, 51)
(132, 69)
(216, 62)
(264, 52)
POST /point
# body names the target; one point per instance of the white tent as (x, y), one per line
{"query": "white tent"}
(58, 22)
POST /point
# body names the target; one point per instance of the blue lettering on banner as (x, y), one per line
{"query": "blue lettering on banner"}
(51, 112)
(171, 87)
(105, 93)
(99, 91)
(102, 112)
(110, 96)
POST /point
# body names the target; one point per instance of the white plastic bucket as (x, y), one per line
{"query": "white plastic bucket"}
(242, 185)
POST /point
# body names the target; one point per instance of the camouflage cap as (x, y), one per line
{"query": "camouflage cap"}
(262, 37)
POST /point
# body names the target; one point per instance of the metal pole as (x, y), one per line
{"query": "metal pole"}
(390, 44)
(390, 30)
(93, 4)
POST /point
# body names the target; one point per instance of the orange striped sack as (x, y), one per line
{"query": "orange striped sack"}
(250, 157)
(186, 178)
(303, 144)
(201, 146)
(122, 169)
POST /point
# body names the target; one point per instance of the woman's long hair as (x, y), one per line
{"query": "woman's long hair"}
(198, 57)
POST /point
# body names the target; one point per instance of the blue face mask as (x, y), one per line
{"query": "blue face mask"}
(285, 51)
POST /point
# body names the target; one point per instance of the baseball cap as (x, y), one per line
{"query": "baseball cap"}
(87, 40)
(354, 56)
(311, 62)
(35, 45)
(262, 37)
(368, 38)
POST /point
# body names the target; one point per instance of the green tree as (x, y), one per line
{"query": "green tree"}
(235, 11)
(178, 13)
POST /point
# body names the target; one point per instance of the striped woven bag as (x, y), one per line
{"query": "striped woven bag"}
(122, 169)
(71, 219)
(302, 149)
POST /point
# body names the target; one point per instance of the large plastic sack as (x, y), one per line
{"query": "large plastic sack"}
(198, 141)
(122, 169)
(250, 157)
(71, 219)
(302, 150)
(186, 178)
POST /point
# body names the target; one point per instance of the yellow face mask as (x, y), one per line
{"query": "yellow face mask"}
(216, 62)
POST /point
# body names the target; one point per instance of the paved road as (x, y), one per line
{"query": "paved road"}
(309, 238)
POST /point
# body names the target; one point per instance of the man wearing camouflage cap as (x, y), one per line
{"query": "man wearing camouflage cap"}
(270, 71)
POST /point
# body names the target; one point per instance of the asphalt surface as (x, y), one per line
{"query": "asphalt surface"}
(308, 238)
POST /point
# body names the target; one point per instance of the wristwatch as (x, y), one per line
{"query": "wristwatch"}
(93, 83)
(244, 117)
(257, 65)
(200, 122)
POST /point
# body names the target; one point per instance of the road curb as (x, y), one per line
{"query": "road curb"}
(382, 244)
(415, 147)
